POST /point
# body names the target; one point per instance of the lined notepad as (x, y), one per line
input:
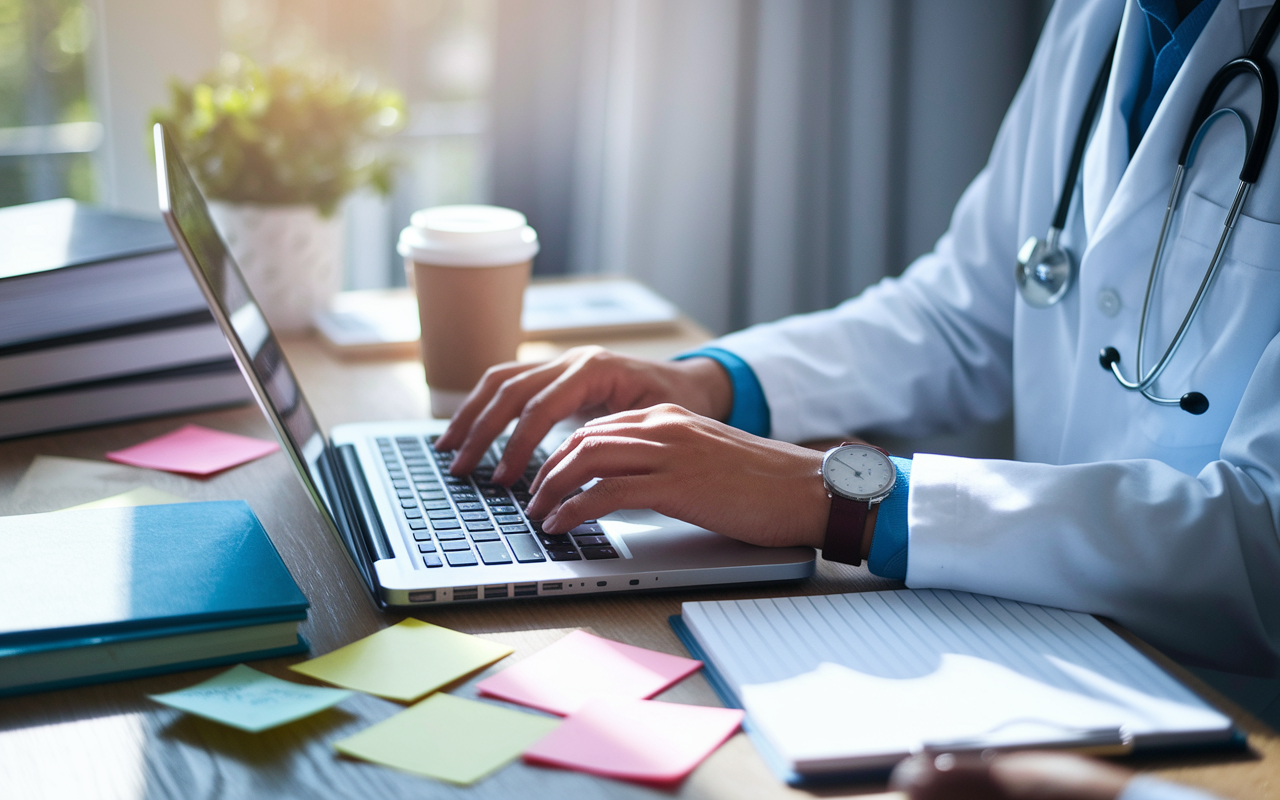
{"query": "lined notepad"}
(858, 681)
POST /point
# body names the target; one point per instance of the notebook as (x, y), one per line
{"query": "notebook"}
(838, 686)
(114, 593)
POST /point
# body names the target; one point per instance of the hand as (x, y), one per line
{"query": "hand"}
(540, 395)
(1016, 776)
(686, 466)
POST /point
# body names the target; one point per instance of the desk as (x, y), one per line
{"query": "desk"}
(110, 741)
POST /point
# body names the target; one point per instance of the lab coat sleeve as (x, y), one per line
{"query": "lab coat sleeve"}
(930, 351)
(1190, 563)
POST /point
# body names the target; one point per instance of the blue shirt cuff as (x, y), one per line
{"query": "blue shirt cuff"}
(750, 410)
(888, 556)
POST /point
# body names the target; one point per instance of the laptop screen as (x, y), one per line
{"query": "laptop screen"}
(254, 344)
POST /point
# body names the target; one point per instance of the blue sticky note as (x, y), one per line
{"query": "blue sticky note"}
(250, 700)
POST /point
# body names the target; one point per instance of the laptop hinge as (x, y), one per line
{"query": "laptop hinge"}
(355, 513)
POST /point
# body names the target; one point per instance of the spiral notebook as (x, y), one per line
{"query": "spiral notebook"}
(839, 686)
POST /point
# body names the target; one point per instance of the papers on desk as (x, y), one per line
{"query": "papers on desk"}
(250, 700)
(932, 668)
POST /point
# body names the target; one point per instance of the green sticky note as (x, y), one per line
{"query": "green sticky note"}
(449, 738)
(142, 496)
(404, 662)
(252, 701)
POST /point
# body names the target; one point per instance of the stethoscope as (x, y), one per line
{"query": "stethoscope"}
(1046, 270)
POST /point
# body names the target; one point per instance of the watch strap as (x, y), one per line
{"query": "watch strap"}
(846, 525)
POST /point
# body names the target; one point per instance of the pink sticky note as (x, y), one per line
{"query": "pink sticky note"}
(639, 740)
(579, 667)
(194, 450)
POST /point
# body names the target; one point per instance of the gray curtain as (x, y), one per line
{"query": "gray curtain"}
(750, 159)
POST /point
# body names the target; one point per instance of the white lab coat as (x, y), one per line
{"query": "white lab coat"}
(1164, 521)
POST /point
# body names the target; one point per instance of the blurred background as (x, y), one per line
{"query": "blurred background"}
(746, 158)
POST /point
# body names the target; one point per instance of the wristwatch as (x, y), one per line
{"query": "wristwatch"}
(857, 477)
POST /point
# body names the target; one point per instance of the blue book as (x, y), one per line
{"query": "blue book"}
(109, 594)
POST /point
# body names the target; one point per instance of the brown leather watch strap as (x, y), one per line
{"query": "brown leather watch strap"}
(846, 526)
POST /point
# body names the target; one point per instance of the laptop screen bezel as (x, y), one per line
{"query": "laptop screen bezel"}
(308, 473)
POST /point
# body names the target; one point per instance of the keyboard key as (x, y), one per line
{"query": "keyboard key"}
(563, 555)
(431, 495)
(428, 485)
(435, 505)
(417, 525)
(454, 480)
(412, 513)
(513, 529)
(592, 541)
(400, 484)
(461, 559)
(493, 553)
(508, 519)
(448, 536)
(455, 546)
(499, 501)
(480, 526)
(484, 536)
(432, 560)
(441, 513)
(446, 524)
(555, 540)
(587, 530)
(405, 493)
(426, 547)
(422, 536)
(470, 507)
(395, 474)
(474, 516)
(410, 503)
(526, 550)
(493, 491)
(597, 553)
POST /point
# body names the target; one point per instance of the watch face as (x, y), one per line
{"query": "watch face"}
(858, 471)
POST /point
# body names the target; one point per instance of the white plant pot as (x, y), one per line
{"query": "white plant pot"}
(291, 256)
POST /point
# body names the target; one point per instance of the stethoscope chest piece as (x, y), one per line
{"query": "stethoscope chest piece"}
(1045, 270)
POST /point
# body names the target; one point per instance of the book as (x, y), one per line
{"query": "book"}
(108, 594)
(101, 321)
(384, 322)
(844, 686)
(120, 399)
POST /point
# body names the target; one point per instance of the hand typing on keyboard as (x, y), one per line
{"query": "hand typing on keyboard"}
(663, 448)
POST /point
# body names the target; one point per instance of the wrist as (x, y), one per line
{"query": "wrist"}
(706, 387)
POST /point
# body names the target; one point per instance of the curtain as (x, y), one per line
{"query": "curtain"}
(749, 159)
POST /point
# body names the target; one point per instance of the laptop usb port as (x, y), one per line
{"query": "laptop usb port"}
(465, 593)
(494, 592)
(525, 590)
(551, 587)
(422, 597)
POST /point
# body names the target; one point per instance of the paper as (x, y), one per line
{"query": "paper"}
(250, 700)
(52, 483)
(194, 450)
(141, 496)
(580, 667)
(405, 661)
(448, 738)
(640, 740)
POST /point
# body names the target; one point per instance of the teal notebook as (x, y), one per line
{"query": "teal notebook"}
(108, 594)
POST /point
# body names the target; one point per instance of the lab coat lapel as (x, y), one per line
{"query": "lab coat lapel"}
(1149, 175)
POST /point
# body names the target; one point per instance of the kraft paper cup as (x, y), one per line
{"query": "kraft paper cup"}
(469, 266)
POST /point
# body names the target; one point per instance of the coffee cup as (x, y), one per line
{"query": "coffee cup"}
(469, 266)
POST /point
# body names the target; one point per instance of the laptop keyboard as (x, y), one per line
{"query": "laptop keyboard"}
(462, 522)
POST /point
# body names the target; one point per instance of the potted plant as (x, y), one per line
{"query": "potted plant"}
(275, 149)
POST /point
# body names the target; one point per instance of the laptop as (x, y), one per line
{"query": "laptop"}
(417, 535)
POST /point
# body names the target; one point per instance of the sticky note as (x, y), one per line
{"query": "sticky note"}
(639, 740)
(579, 667)
(141, 496)
(250, 700)
(404, 661)
(448, 738)
(194, 450)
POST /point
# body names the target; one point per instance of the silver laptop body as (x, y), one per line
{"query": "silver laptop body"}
(418, 536)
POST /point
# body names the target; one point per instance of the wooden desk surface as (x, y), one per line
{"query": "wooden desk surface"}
(110, 741)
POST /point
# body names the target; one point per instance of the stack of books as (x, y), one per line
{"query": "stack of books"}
(101, 321)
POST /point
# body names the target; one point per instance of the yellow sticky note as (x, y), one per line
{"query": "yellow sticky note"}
(142, 496)
(449, 738)
(405, 661)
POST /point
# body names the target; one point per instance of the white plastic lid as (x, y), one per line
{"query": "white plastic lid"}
(468, 236)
